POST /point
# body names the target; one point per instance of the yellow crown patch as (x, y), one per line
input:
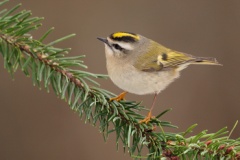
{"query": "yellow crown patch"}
(125, 34)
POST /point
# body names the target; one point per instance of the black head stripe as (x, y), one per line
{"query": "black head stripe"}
(124, 36)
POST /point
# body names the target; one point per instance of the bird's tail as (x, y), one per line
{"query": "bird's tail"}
(205, 61)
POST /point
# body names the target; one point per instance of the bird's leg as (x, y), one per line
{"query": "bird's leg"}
(149, 116)
(119, 97)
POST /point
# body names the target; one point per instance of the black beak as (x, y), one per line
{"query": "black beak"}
(104, 40)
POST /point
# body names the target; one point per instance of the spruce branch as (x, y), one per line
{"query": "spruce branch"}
(49, 67)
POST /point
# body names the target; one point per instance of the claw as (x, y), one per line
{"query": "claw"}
(148, 118)
(119, 97)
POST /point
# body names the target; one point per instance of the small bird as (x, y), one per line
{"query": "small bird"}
(142, 66)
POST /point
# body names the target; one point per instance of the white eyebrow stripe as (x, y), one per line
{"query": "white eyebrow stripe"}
(126, 46)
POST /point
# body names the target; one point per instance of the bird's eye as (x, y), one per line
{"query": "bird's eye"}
(116, 46)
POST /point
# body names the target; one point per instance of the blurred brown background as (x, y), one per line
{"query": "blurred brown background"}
(36, 125)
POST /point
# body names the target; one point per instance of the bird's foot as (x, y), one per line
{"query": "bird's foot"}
(119, 97)
(148, 118)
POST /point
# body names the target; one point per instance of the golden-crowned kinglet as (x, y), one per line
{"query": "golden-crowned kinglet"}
(141, 66)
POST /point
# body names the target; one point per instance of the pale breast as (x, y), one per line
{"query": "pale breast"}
(128, 78)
